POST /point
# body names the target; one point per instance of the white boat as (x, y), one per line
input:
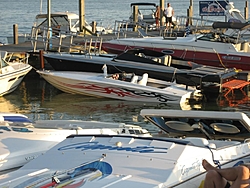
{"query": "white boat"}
(124, 86)
(12, 72)
(65, 22)
(22, 140)
(146, 16)
(122, 161)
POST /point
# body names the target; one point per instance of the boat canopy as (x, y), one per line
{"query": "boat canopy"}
(69, 15)
(230, 25)
(143, 4)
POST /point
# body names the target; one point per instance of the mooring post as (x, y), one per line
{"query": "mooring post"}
(246, 11)
(15, 34)
(162, 11)
(41, 59)
(94, 27)
(135, 18)
(82, 15)
(190, 13)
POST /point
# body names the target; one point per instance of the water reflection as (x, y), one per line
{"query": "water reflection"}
(39, 100)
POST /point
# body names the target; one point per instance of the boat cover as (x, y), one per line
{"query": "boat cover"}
(230, 25)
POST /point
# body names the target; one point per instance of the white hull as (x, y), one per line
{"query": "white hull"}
(97, 85)
(123, 161)
(98, 160)
(21, 142)
(11, 74)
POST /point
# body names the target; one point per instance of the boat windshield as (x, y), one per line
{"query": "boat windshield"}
(3, 63)
(213, 37)
(56, 21)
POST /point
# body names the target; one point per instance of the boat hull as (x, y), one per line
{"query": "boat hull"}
(92, 63)
(161, 67)
(202, 52)
(11, 80)
(20, 140)
(97, 85)
(92, 161)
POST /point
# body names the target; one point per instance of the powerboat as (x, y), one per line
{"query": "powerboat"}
(146, 16)
(127, 160)
(12, 72)
(23, 140)
(124, 86)
(157, 64)
(65, 22)
(145, 13)
(213, 49)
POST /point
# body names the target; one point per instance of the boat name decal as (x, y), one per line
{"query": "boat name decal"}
(121, 92)
(234, 58)
(28, 158)
(97, 146)
(194, 166)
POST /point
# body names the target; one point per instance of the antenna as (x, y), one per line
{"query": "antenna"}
(41, 6)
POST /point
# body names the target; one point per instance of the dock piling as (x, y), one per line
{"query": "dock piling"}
(246, 10)
(41, 59)
(15, 33)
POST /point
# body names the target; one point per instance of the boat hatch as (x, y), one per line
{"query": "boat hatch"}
(225, 128)
(179, 125)
(211, 128)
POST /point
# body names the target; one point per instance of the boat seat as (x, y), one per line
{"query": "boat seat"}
(134, 79)
(202, 142)
(144, 79)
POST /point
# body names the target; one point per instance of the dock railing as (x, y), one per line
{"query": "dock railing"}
(195, 24)
(58, 40)
(53, 39)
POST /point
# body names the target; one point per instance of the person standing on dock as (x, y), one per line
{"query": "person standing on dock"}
(168, 13)
(157, 17)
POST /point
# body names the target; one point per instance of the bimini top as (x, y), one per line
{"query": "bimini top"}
(70, 15)
(142, 4)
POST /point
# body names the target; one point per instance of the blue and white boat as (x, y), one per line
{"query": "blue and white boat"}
(22, 140)
(127, 160)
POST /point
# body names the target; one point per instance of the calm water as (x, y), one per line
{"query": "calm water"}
(40, 100)
(23, 12)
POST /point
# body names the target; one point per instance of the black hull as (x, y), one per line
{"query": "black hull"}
(84, 66)
(206, 78)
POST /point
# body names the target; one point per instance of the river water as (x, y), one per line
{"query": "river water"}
(23, 12)
(39, 100)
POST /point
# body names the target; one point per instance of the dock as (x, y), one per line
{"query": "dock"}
(64, 41)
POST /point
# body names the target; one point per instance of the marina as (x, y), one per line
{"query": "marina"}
(135, 100)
